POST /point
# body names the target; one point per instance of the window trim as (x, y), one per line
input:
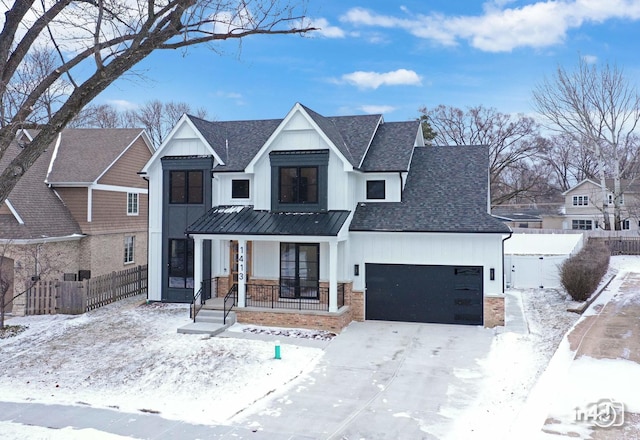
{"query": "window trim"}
(298, 184)
(248, 183)
(580, 223)
(133, 201)
(129, 249)
(580, 200)
(369, 189)
(300, 158)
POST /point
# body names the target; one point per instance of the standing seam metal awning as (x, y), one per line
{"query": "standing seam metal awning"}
(244, 220)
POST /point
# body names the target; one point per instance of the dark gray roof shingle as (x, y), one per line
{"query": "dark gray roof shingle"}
(446, 191)
(392, 147)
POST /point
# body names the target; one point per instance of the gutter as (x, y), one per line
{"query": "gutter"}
(503, 274)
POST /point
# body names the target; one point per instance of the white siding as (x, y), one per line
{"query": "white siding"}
(429, 249)
(393, 186)
(222, 185)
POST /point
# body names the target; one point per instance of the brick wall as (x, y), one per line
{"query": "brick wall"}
(357, 304)
(104, 253)
(333, 322)
(493, 311)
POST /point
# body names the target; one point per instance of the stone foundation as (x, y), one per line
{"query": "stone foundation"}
(493, 311)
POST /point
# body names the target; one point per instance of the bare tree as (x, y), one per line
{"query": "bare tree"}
(569, 161)
(511, 141)
(599, 109)
(99, 116)
(96, 42)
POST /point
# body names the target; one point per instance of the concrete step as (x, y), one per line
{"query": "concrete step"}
(203, 328)
(215, 317)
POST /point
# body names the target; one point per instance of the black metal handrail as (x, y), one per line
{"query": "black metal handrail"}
(230, 300)
(195, 307)
(279, 297)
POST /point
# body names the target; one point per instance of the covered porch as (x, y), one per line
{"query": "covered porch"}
(297, 260)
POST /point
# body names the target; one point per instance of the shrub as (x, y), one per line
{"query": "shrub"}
(581, 274)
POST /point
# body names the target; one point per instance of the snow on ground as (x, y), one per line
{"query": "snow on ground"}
(129, 356)
(17, 431)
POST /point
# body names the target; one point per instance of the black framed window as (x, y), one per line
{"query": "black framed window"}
(186, 187)
(181, 263)
(299, 270)
(375, 189)
(298, 185)
(240, 189)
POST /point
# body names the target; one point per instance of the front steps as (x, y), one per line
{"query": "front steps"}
(209, 322)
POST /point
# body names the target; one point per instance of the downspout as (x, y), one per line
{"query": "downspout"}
(503, 274)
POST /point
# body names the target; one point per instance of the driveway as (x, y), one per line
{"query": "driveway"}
(377, 380)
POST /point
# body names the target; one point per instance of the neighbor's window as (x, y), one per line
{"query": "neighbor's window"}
(298, 185)
(582, 224)
(240, 189)
(375, 189)
(625, 224)
(186, 187)
(129, 244)
(181, 263)
(132, 203)
(580, 200)
(620, 199)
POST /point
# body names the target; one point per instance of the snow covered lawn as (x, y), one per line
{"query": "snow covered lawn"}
(129, 356)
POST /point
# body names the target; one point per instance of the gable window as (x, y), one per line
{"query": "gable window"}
(375, 189)
(132, 203)
(129, 244)
(584, 225)
(580, 200)
(298, 185)
(240, 189)
(181, 263)
(186, 187)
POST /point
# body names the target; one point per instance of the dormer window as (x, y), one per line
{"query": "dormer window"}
(240, 189)
(298, 185)
(299, 180)
(375, 190)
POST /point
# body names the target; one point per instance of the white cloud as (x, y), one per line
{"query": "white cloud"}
(590, 59)
(373, 80)
(325, 29)
(502, 29)
(377, 109)
(122, 104)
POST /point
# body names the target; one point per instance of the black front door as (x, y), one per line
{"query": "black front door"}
(299, 270)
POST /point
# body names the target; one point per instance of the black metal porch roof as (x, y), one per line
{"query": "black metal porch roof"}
(244, 220)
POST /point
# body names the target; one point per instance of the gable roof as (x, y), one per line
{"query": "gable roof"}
(626, 185)
(84, 154)
(446, 191)
(392, 147)
(43, 213)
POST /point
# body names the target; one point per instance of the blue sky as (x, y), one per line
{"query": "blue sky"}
(393, 58)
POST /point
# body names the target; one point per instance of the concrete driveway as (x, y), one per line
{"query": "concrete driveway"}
(377, 380)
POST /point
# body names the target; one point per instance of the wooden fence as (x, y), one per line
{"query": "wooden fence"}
(76, 297)
(622, 245)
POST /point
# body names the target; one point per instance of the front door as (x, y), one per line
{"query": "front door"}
(233, 258)
(299, 270)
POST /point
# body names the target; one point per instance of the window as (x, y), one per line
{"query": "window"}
(129, 243)
(132, 203)
(240, 189)
(299, 270)
(625, 224)
(181, 263)
(298, 185)
(375, 189)
(580, 200)
(185, 187)
(585, 225)
(620, 199)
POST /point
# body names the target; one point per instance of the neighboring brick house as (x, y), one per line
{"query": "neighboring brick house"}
(80, 210)
(583, 206)
(315, 221)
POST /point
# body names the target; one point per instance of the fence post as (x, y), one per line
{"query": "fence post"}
(113, 287)
(139, 283)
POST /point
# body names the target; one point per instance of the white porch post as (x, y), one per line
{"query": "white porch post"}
(197, 263)
(333, 276)
(242, 272)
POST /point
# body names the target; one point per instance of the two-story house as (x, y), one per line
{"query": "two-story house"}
(79, 211)
(583, 206)
(317, 221)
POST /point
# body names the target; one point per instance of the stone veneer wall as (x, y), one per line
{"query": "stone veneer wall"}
(493, 311)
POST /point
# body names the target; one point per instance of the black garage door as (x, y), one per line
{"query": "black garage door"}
(414, 293)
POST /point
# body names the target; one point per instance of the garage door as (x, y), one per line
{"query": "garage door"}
(417, 293)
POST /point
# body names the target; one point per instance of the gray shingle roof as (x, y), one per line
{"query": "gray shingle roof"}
(86, 153)
(237, 142)
(43, 213)
(244, 220)
(446, 191)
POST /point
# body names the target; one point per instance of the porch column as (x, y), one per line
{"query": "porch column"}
(242, 272)
(197, 263)
(333, 276)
